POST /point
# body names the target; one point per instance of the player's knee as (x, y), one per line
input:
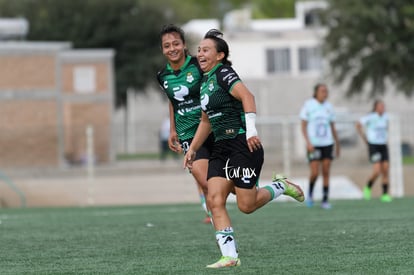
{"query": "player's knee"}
(325, 174)
(246, 208)
(215, 201)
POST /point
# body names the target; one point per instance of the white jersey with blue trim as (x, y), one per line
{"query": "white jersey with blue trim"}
(318, 117)
(376, 127)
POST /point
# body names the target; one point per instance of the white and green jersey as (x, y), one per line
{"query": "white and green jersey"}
(223, 110)
(183, 90)
(376, 127)
(318, 117)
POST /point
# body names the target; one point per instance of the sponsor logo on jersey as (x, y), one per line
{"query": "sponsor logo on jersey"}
(232, 77)
(204, 101)
(190, 77)
(180, 92)
(211, 86)
(165, 84)
(183, 111)
(210, 116)
(229, 131)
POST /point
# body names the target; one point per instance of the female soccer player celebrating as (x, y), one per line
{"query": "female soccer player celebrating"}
(229, 111)
(180, 80)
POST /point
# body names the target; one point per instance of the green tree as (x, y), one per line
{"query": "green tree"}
(130, 27)
(369, 43)
(273, 9)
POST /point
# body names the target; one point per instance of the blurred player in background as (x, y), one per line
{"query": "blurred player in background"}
(318, 129)
(373, 128)
(180, 80)
(236, 160)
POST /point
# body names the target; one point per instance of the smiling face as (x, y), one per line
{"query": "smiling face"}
(207, 55)
(173, 49)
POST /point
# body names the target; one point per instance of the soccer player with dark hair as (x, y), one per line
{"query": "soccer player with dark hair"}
(229, 111)
(180, 80)
(373, 128)
(318, 128)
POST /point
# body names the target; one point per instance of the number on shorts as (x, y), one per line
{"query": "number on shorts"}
(185, 146)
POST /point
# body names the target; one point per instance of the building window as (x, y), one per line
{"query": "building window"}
(310, 59)
(313, 17)
(278, 60)
(84, 79)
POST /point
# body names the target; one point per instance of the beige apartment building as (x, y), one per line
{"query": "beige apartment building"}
(50, 94)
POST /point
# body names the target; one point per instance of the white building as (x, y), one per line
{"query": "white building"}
(275, 58)
(280, 61)
(13, 28)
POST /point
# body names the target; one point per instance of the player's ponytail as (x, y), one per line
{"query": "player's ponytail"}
(221, 44)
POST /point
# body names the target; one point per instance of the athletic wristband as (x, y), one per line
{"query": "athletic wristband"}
(250, 119)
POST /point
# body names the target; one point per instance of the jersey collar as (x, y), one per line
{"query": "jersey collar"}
(209, 73)
(317, 101)
(187, 60)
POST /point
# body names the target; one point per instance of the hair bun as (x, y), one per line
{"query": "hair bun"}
(214, 33)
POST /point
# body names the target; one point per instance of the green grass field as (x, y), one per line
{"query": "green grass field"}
(355, 237)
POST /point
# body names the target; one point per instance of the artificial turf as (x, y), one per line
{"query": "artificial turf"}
(354, 237)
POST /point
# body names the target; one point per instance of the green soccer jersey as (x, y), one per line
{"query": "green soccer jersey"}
(225, 112)
(183, 90)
